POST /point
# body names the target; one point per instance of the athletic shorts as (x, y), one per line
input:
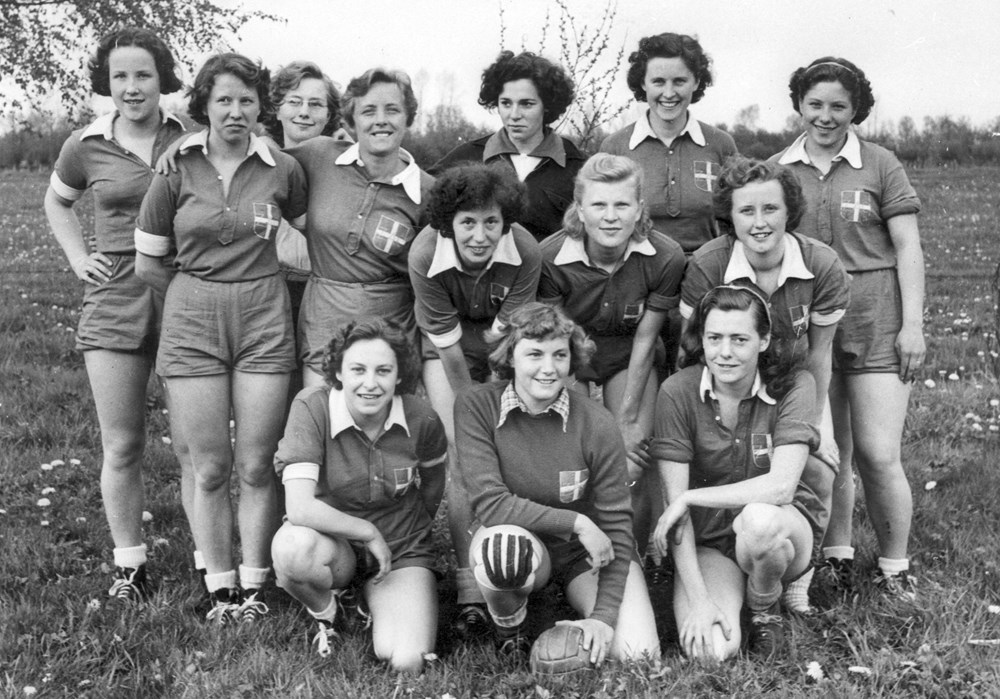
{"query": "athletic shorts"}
(474, 348)
(326, 305)
(212, 328)
(414, 553)
(865, 342)
(122, 314)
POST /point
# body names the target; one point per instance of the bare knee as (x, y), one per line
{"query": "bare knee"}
(211, 475)
(760, 529)
(293, 551)
(255, 474)
(122, 450)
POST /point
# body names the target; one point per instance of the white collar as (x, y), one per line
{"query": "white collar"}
(643, 130)
(104, 124)
(445, 256)
(409, 177)
(257, 146)
(706, 388)
(340, 416)
(851, 152)
(574, 250)
(792, 264)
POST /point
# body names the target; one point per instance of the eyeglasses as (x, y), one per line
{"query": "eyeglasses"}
(312, 105)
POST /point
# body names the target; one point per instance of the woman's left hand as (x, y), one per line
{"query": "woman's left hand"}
(671, 522)
(635, 447)
(911, 350)
(600, 550)
(597, 637)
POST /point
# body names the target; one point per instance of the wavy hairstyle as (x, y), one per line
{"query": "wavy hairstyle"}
(739, 171)
(555, 86)
(361, 85)
(376, 328)
(830, 69)
(166, 66)
(472, 188)
(253, 75)
(287, 79)
(604, 167)
(537, 321)
(777, 368)
(669, 45)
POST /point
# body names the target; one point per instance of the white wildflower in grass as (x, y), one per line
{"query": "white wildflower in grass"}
(46, 467)
(953, 376)
(147, 516)
(44, 502)
(166, 440)
(447, 695)
(48, 491)
(81, 520)
(860, 670)
(972, 416)
(30, 691)
(976, 427)
(57, 462)
(930, 485)
(995, 402)
(159, 543)
(84, 683)
(430, 657)
(93, 605)
(814, 672)
(993, 609)
(3, 511)
(44, 523)
(74, 462)
(994, 428)
(929, 383)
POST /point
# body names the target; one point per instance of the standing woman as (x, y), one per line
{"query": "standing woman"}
(227, 341)
(860, 202)
(530, 93)
(120, 323)
(365, 208)
(616, 277)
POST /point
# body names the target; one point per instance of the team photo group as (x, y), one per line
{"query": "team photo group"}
(661, 359)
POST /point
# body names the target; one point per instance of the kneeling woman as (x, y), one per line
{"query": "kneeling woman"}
(733, 432)
(363, 469)
(545, 470)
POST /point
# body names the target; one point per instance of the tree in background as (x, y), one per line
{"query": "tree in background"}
(44, 44)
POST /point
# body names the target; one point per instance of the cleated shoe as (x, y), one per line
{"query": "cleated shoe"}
(324, 638)
(767, 631)
(130, 585)
(472, 623)
(225, 606)
(513, 643)
(252, 607)
(901, 586)
(352, 610)
(837, 574)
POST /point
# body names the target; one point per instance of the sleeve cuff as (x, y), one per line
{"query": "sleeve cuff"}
(303, 471)
(152, 245)
(434, 462)
(298, 223)
(446, 339)
(62, 189)
(823, 319)
(686, 310)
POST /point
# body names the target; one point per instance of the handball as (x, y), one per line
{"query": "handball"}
(558, 652)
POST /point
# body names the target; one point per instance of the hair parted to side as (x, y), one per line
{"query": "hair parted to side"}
(361, 85)
(777, 368)
(537, 321)
(166, 66)
(253, 75)
(739, 171)
(555, 86)
(829, 69)
(376, 328)
(669, 45)
(611, 169)
(474, 187)
(287, 79)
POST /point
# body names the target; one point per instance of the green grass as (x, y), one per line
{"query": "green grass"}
(59, 635)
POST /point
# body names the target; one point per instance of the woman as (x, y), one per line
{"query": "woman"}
(530, 93)
(617, 278)
(860, 202)
(470, 268)
(120, 323)
(363, 465)
(545, 469)
(227, 344)
(365, 207)
(733, 432)
(802, 279)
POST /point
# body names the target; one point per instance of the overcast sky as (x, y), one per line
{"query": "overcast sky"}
(923, 57)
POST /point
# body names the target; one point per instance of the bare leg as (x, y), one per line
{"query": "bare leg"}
(309, 565)
(772, 544)
(726, 584)
(840, 529)
(404, 617)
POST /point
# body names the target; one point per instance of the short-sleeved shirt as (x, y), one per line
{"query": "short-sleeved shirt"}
(221, 237)
(611, 304)
(374, 480)
(91, 158)
(359, 230)
(689, 430)
(848, 207)
(548, 187)
(679, 179)
(447, 295)
(813, 287)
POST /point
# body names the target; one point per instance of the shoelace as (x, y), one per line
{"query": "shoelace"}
(764, 619)
(252, 609)
(348, 600)
(125, 588)
(223, 612)
(323, 638)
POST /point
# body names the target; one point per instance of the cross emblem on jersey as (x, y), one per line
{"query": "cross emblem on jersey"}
(856, 202)
(704, 175)
(572, 484)
(266, 220)
(390, 235)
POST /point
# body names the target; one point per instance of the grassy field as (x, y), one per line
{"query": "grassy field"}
(59, 637)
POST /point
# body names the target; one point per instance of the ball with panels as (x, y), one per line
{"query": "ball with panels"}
(559, 652)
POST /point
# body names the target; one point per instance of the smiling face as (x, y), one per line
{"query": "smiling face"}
(669, 86)
(540, 367)
(522, 113)
(134, 83)
(609, 212)
(732, 346)
(380, 120)
(827, 112)
(760, 217)
(303, 112)
(233, 108)
(476, 235)
(369, 374)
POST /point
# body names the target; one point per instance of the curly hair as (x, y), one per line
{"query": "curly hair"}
(829, 69)
(739, 171)
(360, 86)
(287, 79)
(537, 321)
(253, 75)
(777, 367)
(376, 328)
(472, 188)
(166, 66)
(669, 45)
(604, 167)
(555, 86)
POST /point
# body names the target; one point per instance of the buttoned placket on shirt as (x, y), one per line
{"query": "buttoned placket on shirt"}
(672, 159)
(741, 460)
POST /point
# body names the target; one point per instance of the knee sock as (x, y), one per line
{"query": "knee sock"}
(467, 588)
(759, 601)
(513, 620)
(199, 562)
(844, 553)
(220, 581)
(131, 556)
(253, 578)
(796, 597)
(893, 566)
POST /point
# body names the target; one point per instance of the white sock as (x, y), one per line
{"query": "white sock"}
(796, 597)
(759, 601)
(253, 578)
(893, 566)
(220, 581)
(328, 614)
(199, 561)
(844, 553)
(131, 556)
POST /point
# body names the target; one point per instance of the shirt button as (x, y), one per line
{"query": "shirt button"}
(673, 181)
(359, 215)
(717, 418)
(219, 177)
(228, 209)
(737, 441)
